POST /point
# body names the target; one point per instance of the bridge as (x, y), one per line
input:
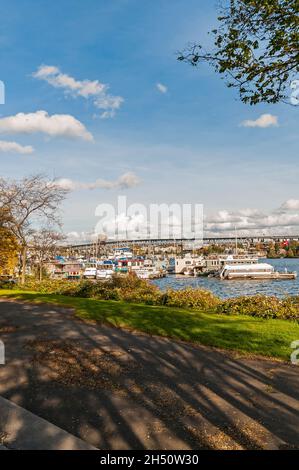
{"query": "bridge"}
(182, 242)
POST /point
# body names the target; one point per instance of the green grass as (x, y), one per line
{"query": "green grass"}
(244, 334)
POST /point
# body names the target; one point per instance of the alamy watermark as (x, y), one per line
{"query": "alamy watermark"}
(2, 92)
(295, 354)
(294, 96)
(155, 221)
(2, 353)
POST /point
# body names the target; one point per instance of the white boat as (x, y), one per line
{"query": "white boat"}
(123, 252)
(142, 273)
(147, 273)
(104, 273)
(253, 271)
(90, 273)
(188, 264)
(189, 272)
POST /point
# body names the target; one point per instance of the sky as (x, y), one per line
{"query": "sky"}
(95, 97)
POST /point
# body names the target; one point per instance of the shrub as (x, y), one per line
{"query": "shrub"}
(261, 306)
(6, 284)
(192, 298)
(132, 289)
(50, 286)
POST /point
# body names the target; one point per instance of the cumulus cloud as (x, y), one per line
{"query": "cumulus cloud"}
(265, 120)
(82, 237)
(89, 89)
(253, 222)
(58, 125)
(246, 222)
(162, 88)
(125, 181)
(125, 226)
(290, 205)
(15, 147)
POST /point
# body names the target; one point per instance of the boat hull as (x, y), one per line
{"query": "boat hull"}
(261, 276)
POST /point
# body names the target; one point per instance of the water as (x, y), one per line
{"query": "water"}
(225, 289)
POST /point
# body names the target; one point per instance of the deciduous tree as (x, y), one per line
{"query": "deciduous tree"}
(30, 202)
(43, 244)
(256, 48)
(8, 245)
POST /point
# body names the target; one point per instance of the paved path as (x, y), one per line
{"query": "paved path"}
(25, 431)
(120, 390)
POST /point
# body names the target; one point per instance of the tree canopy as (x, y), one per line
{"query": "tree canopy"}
(8, 245)
(30, 202)
(256, 48)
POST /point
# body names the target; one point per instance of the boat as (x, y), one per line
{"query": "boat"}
(188, 265)
(123, 252)
(105, 269)
(90, 273)
(104, 273)
(255, 271)
(189, 272)
(148, 273)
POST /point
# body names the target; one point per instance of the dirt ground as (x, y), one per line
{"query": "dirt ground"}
(122, 390)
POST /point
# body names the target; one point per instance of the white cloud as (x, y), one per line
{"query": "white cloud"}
(247, 222)
(265, 120)
(252, 221)
(15, 147)
(162, 88)
(61, 125)
(124, 226)
(290, 205)
(81, 237)
(93, 89)
(125, 181)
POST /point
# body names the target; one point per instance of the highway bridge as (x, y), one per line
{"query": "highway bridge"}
(179, 242)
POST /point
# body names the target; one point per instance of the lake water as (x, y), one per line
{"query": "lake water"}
(225, 289)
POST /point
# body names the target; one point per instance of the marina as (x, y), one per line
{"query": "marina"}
(226, 275)
(235, 288)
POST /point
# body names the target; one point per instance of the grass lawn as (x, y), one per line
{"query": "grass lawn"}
(246, 334)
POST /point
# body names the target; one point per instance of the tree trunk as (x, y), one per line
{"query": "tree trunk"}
(40, 271)
(24, 256)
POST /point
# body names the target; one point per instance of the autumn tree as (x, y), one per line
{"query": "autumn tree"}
(256, 48)
(43, 244)
(30, 202)
(8, 245)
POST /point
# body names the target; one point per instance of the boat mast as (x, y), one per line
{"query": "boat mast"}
(236, 241)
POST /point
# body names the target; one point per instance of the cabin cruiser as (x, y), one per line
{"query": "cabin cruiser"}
(90, 273)
(148, 273)
(104, 273)
(105, 269)
(188, 265)
(122, 253)
(253, 271)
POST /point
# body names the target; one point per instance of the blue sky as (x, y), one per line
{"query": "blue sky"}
(184, 145)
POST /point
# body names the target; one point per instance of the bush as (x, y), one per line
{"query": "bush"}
(132, 289)
(192, 298)
(261, 306)
(7, 284)
(50, 286)
(128, 288)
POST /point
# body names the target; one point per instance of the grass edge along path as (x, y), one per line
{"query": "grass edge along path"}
(244, 334)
